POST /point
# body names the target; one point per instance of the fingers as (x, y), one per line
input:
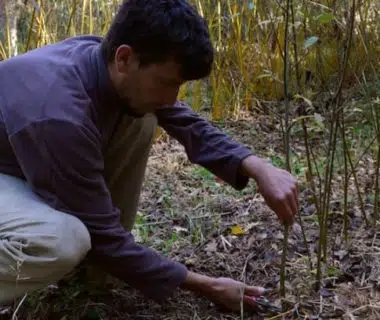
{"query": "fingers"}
(295, 194)
(255, 291)
(251, 294)
(284, 212)
(292, 201)
(280, 191)
(250, 301)
(289, 215)
(292, 204)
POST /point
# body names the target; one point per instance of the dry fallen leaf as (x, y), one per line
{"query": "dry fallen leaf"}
(297, 229)
(279, 235)
(251, 225)
(237, 231)
(262, 236)
(251, 240)
(180, 229)
(211, 246)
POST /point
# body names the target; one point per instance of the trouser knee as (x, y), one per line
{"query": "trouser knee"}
(72, 245)
(40, 252)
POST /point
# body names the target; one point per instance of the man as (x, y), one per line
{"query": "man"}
(77, 119)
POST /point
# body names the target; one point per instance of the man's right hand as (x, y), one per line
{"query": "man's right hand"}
(223, 291)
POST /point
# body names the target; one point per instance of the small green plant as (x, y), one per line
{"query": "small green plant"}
(207, 179)
(169, 242)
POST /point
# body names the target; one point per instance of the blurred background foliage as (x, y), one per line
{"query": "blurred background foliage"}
(249, 41)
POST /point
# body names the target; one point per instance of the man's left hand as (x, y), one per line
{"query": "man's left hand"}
(277, 186)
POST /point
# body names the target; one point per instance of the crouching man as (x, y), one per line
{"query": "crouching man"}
(77, 120)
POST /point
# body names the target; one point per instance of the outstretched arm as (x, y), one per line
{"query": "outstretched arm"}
(229, 160)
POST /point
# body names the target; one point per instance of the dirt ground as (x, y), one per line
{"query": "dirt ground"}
(190, 216)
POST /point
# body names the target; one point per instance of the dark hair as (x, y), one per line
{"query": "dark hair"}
(159, 30)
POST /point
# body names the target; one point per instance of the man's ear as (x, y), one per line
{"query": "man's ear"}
(123, 58)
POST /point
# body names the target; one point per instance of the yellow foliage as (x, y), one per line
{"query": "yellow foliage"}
(249, 41)
(237, 230)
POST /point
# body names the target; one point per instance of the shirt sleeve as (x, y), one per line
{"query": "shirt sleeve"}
(63, 163)
(204, 144)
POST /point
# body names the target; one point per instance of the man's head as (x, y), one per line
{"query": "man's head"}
(154, 46)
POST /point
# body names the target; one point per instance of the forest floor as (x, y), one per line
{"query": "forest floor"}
(192, 217)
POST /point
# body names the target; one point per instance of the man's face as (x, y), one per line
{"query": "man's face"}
(147, 88)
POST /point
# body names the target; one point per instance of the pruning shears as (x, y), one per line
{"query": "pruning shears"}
(265, 305)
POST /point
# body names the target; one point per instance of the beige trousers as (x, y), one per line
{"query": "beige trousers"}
(39, 245)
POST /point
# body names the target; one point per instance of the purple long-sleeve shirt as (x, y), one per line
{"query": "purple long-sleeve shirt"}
(56, 106)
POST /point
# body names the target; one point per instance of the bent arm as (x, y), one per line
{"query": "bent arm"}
(63, 164)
